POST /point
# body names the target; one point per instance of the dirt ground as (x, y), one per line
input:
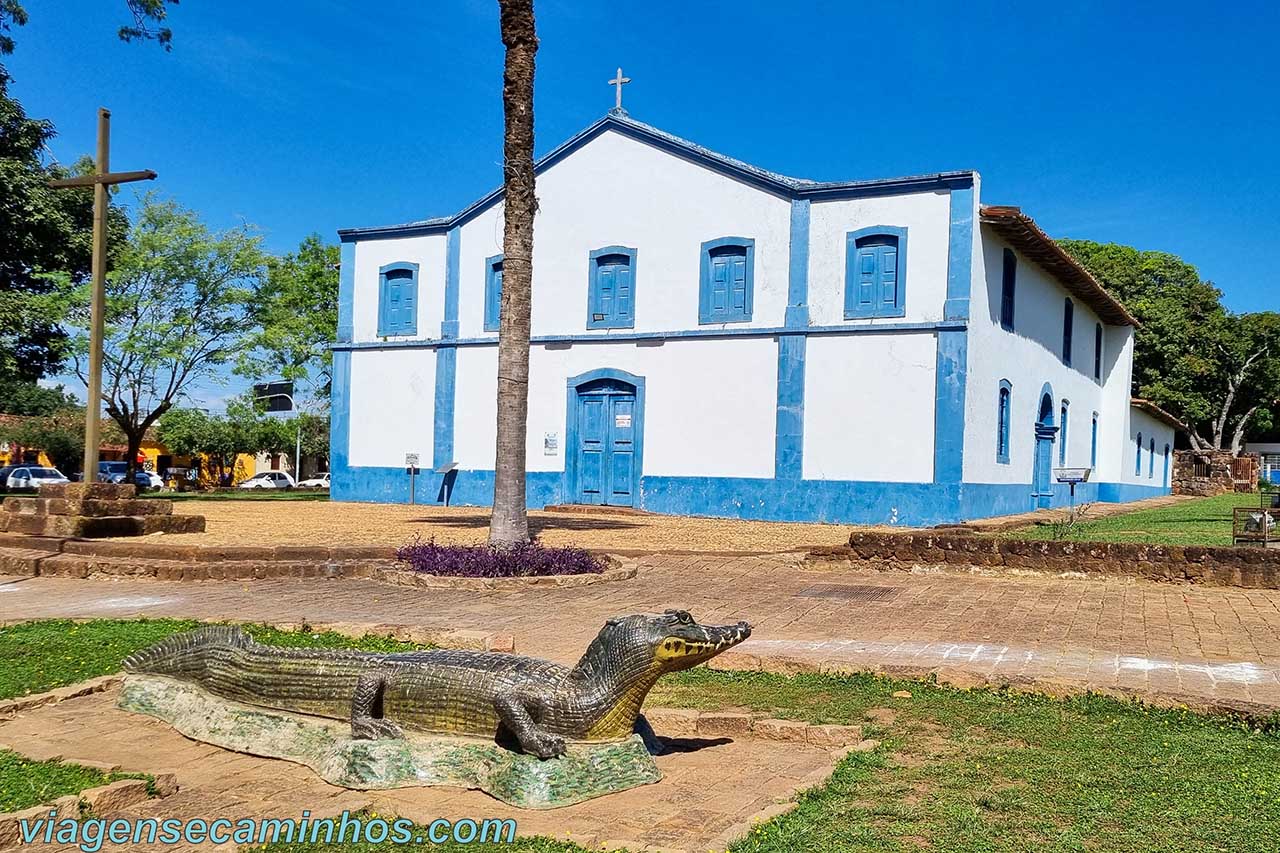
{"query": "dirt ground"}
(317, 523)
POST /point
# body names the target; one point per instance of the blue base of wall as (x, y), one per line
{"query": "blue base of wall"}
(838, 501)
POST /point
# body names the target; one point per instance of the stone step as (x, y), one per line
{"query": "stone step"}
(81, 491)
(100, 527)
(91, 507)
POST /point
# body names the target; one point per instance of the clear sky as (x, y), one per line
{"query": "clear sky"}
(1148, 124)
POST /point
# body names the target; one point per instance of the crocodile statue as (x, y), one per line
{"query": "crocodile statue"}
(543, 705)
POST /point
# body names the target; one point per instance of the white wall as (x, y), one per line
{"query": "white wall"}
(618, 191)
(869, 407)
(1028, 358)
(392, 406)
(927, 218)
(1149, 427)
(710, 405)
(429, 253)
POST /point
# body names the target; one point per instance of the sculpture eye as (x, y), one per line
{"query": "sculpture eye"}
(684, 617)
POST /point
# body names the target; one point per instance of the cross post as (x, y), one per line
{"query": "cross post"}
(99, 180)
(618, 82)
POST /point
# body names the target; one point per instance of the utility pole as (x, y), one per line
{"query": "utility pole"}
(99, 180)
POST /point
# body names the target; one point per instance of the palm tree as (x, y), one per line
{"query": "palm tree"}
(509, 525)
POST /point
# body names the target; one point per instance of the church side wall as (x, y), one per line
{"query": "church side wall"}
(429, 254)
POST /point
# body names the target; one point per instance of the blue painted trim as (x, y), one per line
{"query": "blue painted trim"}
(1151, 459)
(959, 255)
(1045, 431)
(705, 315)
(1097, 352)
(1164, 478)
(569, 485)
(1004, 418)
(797, 316)
(492, 294)
(618, 337)
(384, 325)
(1008, 290)
(340, 415)
(1093, 443)
(1137, 462)
(1064, 411)
(950, 378)
(788, 450)
(792, 188)
(443, 417)
(878, 308)
(452, 282)
(593, 286)
(346, 292)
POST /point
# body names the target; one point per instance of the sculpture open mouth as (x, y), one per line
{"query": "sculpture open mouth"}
(696, 643)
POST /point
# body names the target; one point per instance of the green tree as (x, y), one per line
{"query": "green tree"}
(60, 434)
(1218, 371)
(148, 22)
(18, 397)
(44, 233)
(175, 312)
(509, 524)
(296, 312)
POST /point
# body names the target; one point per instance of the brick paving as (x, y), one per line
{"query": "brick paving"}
(696, 806)
(1205, 646)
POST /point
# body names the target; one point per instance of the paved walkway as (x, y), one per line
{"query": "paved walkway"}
(1206, 646)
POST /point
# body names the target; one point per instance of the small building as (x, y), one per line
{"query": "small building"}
(711, 338)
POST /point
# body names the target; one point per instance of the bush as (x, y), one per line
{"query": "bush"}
(486, 561)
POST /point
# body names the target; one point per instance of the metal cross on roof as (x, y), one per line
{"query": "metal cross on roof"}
(618, 82)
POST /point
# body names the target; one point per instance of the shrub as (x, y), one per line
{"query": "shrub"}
(486, 561)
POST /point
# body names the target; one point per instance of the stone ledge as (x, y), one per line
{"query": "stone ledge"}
(685, 722)
(9, 707)
(1254, 568)
(100, 801)
(405, 577)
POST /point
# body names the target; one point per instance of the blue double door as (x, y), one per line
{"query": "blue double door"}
(606, 451)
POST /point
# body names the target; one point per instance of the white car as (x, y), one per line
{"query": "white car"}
(33, 476)
(319, 481)
(269, 480)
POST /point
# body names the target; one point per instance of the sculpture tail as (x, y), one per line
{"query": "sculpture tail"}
(187, 653)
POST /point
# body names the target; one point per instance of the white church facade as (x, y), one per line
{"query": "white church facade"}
(713, 339)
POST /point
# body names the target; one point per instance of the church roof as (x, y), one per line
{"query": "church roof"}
(1021, 232)
(619, 121)
(1158, 413)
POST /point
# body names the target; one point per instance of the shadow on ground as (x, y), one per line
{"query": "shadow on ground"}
(536, 525)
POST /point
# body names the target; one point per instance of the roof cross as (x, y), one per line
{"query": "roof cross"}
(618, 82)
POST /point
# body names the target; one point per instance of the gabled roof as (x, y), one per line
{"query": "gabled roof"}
(619, 121)
(1020, 231)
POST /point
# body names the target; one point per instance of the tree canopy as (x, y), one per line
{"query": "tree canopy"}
(148, 22)
(1216, 370)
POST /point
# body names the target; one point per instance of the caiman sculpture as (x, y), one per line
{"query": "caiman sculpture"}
(541, 704)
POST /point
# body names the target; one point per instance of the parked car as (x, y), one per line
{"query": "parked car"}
(269, 480)
(32, 477)
(319, 481)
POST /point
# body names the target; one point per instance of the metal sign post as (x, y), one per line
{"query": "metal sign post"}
(411, 468)
(1071, 476)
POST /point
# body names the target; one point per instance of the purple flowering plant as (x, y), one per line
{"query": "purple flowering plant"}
(532, 559)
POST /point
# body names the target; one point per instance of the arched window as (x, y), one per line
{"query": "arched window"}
(1068, 319)
(1002, 421)
(1151, 459)
(875, 283)
(1097, 351)
(398, 299)
(1062, 435)
(727, 280)
(492, 293)
(611, 288)
(1093, 442)
(1137, 464)
(1164, 479)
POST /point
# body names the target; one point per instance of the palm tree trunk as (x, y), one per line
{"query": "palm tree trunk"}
(509, 524)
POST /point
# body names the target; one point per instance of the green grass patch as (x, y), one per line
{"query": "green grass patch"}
(39, 656)
(1206, 521)
(530, 844)
(25, 784)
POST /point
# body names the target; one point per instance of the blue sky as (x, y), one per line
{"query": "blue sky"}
(1143, 124)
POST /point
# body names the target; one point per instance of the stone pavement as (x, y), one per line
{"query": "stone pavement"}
(696, 805)
(1209, 647)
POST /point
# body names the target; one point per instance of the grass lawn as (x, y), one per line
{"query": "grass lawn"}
(1206, 521)
(25, 783)
(241, 495)
(962, 771)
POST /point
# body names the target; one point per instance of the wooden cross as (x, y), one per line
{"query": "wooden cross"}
(618, 82)
(99, 180)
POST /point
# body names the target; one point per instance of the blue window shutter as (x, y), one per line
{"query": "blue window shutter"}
(1093, 443)
(724, 290)
(1062, 438)
(875, 272)
(1151, 459)
(1137, 465)
(719, 286)
(738, 283)
(398, 299)
(622, 293)
(1003, 415)
(1068, 318)
(611, 288)
(493, 293)
(1008, 289)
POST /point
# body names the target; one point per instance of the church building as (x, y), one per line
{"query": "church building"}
(710, 338)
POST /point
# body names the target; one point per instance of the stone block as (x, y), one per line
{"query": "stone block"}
(788, 730)
(673, 722)
(81, 491)
(165, 784)
(116, 796)
(724, 724)
(833, 736)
